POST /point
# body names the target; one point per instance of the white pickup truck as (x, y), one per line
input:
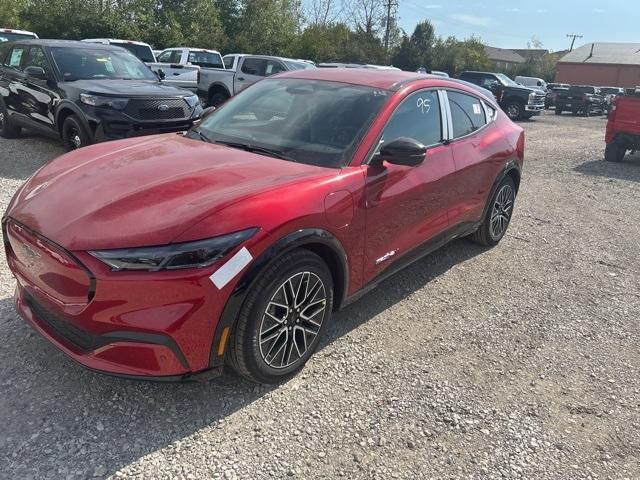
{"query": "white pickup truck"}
(216, 86)
(182, 66)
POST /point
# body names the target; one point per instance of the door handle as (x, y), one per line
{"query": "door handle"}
(241, 79)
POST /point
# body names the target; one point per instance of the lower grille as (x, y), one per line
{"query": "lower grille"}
(158, 109)
(78, 337)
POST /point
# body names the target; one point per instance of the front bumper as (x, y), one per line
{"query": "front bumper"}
(107, 124)
(535, 109)
(156, 325)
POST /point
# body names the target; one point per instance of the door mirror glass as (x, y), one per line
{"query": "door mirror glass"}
(35, 72)
(403, 151)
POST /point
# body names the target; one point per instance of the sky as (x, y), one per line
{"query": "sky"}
(511, 24)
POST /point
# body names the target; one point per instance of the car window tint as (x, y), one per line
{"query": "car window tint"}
(4, 50)
(205, 59)
(467, 114)
(254, 66)
(417, 117)
(228, 62)
(36, 58)
(15, 57)
(274, 67)
(487, 81)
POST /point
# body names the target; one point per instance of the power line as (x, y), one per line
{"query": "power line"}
(573, 37)
(389, 5)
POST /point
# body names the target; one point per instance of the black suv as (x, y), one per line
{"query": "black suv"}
(86, 93)
(582, 99)
(517, 101)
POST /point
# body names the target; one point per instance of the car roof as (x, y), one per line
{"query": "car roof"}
(384, 79)
(13, 30)
(114, 40)
(64, 43)
(192, 49)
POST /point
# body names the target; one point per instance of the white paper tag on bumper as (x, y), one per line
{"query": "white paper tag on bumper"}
(234, 266)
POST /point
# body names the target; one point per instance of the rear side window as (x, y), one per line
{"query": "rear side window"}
(417, 117)
(228, 62)
(274, 67)
(4, 50)
(170, 56)
(254, 66)
(205, 59)
(467, 113)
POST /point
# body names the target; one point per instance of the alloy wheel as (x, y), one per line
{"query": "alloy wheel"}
(501, 212)
(1, 120)
(513, 110)
(74, 138)
(292, 320)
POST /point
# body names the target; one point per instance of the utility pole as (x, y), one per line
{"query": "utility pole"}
(389, 5)
(573, 37)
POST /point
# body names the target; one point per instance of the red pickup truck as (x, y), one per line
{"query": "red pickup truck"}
(623, 127)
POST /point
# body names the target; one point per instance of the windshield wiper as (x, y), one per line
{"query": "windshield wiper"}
(202, 136)
(255, 149)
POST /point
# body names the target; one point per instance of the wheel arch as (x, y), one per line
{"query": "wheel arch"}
(218, 87)
(318, 241)
(511, 169)
(66, 109)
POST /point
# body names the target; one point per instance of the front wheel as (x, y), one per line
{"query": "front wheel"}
(515, 110)
(74, 135)
(498, 216)
(283, 318)
(558, 111)
(614, 152)
(7, 128)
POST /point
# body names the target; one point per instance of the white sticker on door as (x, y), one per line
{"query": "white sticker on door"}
(234, 266)
(476, 109)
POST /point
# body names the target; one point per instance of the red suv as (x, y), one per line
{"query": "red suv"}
(623, 127)
(173, 255)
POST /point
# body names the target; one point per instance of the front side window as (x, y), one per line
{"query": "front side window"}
(254, 66)
(15, 57)
(467, 113)
(418, 117)
(274, 67)
(169, 56)
(88, 63)
(143, 52)
(308, 121)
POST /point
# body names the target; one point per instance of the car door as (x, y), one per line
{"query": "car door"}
(38, 95)
(14, 78)
(477, 157)
(407, 206)
(252, 69)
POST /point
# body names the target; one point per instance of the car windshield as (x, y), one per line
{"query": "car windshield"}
(506, 81)
(11, 37)
(291, 65)
(610, 90)
(307, 121)
(143, 52)
(582, 89)
(99, 63)
(205, 59)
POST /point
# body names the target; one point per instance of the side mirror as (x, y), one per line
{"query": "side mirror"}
(205, 113)
(35, 72)
(160, 73)
(403, 151)
(494, 87)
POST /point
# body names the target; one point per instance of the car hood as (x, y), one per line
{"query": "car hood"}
(145, 191)
(127, 88)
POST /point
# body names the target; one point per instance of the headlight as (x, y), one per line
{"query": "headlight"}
(108, 102)
(192, 101)
(198, 254)
(532, 97)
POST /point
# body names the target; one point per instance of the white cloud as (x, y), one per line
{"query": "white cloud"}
(542, 10)
(472, 19)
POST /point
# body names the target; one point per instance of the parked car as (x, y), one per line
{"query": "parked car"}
(217, 86)
(558, 85)
(438, 73)
(356, 65)
(140, 49)
(182, 66)
(609, 93)
(623, 127)
(517, 101)
(552, 94)
(86, 93)
(11, 35)
(169, 257)
(580, 99)
(231, 60)
(531, 82)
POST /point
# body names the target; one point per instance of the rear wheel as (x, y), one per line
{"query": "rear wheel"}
(74, 135)
(282, 319)
(558, 111)
(496, 221)
(7, 128)
(586, 110)
(614, 152)
(217, 98)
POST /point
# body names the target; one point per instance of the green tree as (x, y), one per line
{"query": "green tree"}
(269, 27)
(416, 51)
(12, 14)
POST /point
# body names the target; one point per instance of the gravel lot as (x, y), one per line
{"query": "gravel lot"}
(517, 362)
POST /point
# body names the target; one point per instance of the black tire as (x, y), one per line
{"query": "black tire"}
(217, 98)
(614, 152)
(558, 111)
(486, 234)
(586, 110)
(256, 358)
(7, 128)
(74, 134)
(515, 110)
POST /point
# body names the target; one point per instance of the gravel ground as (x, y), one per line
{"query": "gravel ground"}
(517, 362)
